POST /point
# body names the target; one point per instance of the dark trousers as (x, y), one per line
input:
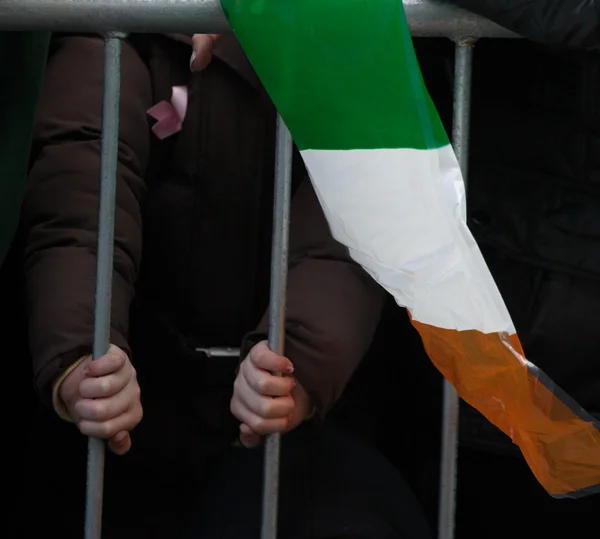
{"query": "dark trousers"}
(332, 486)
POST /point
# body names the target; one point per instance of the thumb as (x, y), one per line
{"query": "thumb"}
(248, 437)
(120, 443)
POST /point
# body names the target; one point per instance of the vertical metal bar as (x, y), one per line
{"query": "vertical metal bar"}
(460, 140)
(104, 263)
(279, 270)
(463, 70)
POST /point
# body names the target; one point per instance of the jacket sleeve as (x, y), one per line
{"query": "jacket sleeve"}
(562, 23)
(333, 306)
(60, 209)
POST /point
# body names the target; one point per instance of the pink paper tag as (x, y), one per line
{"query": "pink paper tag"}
(169, 116)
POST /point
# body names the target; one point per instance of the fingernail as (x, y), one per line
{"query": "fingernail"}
(120, 438)
(192, 58)
(290, 369)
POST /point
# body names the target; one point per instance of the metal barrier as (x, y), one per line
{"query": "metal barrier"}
(463, 67)
(427, 18)
(104, 263)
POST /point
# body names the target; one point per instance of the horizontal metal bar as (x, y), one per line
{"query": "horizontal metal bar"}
(184, 16)
(437, 18)
(427, 18)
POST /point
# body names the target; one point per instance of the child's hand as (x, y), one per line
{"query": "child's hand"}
(266, 403)
(102, 398)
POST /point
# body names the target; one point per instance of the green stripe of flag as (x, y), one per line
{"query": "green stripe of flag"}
(342, 73)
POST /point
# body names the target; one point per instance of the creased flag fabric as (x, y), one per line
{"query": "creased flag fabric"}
(344, 76)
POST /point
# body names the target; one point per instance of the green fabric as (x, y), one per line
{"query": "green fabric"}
(342, 73)
(23, 58)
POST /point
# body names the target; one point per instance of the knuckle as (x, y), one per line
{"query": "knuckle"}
(96, 430)
(245, 366)
(263, 384)
(131, 421)
(79, 408)
(82, 426)
(266, 407)
(98, 410)
(105, 385)
(136, 390)
(105, 430)
(234, 406)
(137, 408)
(260, 356)
(259, 425)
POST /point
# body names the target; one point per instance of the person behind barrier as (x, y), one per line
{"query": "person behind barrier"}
(195, 173)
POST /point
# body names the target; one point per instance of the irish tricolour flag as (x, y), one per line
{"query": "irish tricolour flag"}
(344, 76)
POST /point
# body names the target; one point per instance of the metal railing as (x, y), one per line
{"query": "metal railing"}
(427, 18)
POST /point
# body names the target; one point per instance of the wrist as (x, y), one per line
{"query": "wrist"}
(57, 402)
